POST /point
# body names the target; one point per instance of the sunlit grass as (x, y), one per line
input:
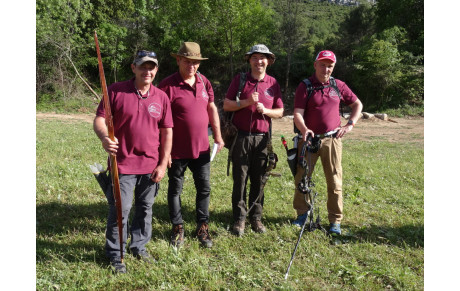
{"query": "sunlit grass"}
(383, 225)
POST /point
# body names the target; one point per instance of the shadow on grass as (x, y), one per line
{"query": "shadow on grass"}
(407, 235)
(64, 230)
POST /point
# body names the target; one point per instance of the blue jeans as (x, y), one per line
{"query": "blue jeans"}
(144, 192)
(200, 168)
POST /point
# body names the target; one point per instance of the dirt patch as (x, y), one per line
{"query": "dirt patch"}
(402, 129)
(68, 117)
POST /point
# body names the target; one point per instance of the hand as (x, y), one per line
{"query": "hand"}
(110, 146)
(344, 130)
(220, 143)
(158, 174)
(260, 108)
(253, 98)
(306, 134)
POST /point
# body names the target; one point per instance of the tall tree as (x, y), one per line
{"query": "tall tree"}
(293, 30)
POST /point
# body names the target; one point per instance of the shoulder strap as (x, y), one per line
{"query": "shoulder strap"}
(240, 87)
(333, 84)
(309, 87)
(199, 76)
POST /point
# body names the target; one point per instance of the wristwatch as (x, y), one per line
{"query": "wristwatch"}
(350, 122)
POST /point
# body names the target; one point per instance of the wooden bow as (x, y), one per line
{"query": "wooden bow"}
(113, 159)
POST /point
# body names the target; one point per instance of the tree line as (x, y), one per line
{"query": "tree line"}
(379, 47)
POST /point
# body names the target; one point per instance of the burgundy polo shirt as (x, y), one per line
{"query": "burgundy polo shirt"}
(322, 111)
(190, 115)
(248, 119)
(136, 124)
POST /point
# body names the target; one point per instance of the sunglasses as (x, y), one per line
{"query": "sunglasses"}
(142, 53)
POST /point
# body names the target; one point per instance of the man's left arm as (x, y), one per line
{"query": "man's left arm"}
(356, 108)
(272, 113)
(165, 152)
(215, 125)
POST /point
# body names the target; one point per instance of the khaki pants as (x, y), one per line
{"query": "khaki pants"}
(331, 159)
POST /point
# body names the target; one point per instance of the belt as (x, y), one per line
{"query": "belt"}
(331, 133)
(245, 133)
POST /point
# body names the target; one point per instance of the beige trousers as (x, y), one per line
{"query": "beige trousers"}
(330, 153)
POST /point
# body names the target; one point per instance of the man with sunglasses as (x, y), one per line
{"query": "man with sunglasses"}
(193, 108)
(143, 137)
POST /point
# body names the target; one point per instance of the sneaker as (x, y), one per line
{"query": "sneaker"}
(257, 226)
(238, 227)
(202, 232)
(300, 220)
(117, 266)
(177, 235)
(334, 228)
(144, 256)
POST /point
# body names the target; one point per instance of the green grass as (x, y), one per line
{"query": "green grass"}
(383, 245)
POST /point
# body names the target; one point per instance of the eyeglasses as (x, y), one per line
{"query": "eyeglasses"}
(142, 53)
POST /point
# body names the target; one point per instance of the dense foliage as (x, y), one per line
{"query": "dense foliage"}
(379, 47)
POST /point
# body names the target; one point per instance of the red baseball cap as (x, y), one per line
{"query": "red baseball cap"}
(326, 55)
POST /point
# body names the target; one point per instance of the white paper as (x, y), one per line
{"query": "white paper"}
(214, 151)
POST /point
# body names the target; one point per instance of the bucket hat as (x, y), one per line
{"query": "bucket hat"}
(189, 50)
(261, 49)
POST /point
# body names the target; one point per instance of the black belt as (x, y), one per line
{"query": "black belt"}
(245, 133)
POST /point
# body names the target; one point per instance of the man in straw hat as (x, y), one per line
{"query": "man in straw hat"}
(192, 105)
(316, 113)
(260, 100)
(143, 136)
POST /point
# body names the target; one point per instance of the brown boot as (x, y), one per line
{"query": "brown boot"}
(202, 232)
(177, 235)
(238, 227)
(257, 226)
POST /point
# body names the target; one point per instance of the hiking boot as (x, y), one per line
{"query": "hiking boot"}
(300, 220)
(257, 226)
(144, 256)
(238, 227)
(177, 235)
(334, 228)
(202, 232)
(117, 266)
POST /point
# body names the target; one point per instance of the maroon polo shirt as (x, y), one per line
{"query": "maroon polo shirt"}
(190, 115)
(136, 124)
(322, 111)
(248, 119)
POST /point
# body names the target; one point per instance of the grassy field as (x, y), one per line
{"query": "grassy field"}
(383, 245)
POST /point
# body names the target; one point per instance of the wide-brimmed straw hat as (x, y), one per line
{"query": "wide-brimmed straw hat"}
(189, 50)
(261, 49)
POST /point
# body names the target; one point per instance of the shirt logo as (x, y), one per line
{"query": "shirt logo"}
(154, 110)
(333, 94)
(204, 95)
(269, 94)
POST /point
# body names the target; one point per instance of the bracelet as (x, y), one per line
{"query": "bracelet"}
(351, 122)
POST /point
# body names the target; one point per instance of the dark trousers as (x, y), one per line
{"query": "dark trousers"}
(200, 168)
(249, 160)
(144, 192)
